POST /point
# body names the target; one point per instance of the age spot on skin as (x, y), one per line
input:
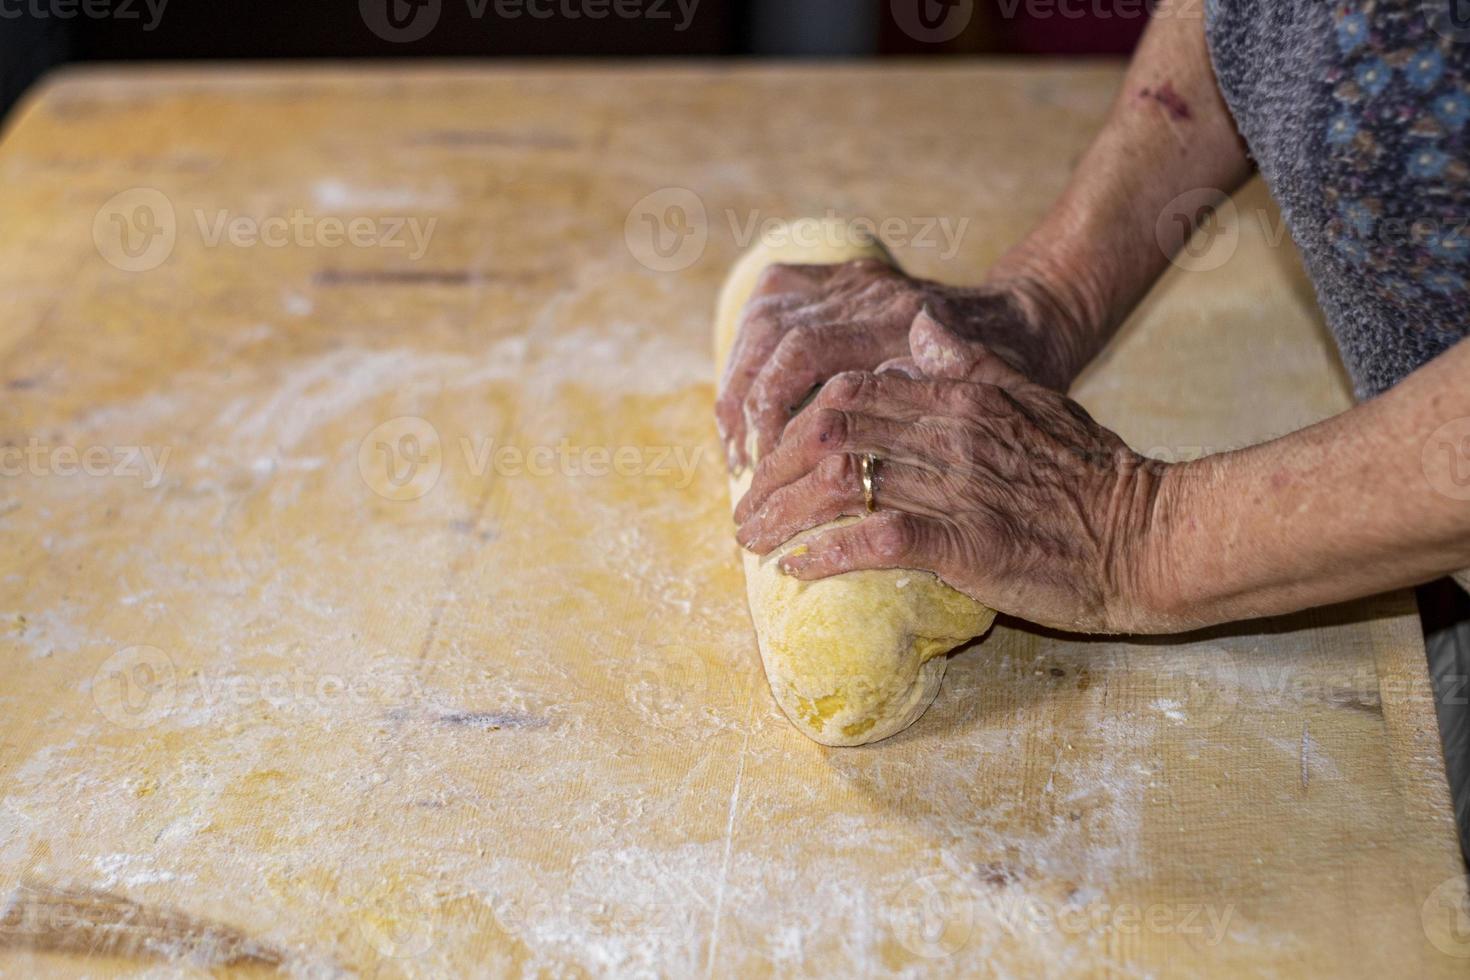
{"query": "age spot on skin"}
(1171, 100)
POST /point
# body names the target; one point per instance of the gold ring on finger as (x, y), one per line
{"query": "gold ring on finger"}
(868, 467)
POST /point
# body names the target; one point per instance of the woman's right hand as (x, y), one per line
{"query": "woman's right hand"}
(806, 323)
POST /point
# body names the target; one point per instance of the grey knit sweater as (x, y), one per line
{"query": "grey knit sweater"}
(1358, 114)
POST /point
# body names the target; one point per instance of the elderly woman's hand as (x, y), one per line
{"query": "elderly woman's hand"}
(806, 323)
(1012, 495)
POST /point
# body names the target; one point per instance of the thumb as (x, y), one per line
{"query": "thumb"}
(901, 365)
(939, 353)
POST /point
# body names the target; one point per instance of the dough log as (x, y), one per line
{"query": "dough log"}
(857, 657)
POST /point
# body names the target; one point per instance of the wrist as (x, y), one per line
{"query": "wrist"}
(1150, 588)
(1064, 309)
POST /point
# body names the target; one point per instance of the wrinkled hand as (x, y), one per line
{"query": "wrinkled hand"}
(806, 323)
(1012, 495)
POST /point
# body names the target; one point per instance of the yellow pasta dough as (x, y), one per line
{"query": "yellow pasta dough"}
(856, 657)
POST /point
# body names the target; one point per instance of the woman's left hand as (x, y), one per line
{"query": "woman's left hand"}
(1012, 495)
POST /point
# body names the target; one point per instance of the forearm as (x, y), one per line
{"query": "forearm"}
(1098, 251)
(1371, 500)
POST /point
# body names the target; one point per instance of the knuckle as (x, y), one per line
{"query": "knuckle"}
(792, 280)
(774, 278)
(794, 347)
(983, 398)
(857, 275)
(837, 474)
(846, 388)
(877, 290)
(830, 429)
(755, 396)
(894, 540)
(870, 267)
(761, 315)
(727, 406)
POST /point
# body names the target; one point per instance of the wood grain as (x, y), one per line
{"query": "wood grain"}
(510, 719)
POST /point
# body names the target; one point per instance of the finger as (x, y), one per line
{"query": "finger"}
(944, 411)
(835, 489)
(804, 358)
(888, 539)
(781, 289)
(891, 394)
(820, 434)
(762, 324)
(939, 353)
(949, 414)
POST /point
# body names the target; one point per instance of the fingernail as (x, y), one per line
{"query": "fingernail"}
(795, 560)
(793, 568)
(751, 539)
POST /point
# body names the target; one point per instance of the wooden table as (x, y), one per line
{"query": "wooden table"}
(340, 687)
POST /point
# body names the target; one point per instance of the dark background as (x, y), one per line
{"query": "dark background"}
(36, 34)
